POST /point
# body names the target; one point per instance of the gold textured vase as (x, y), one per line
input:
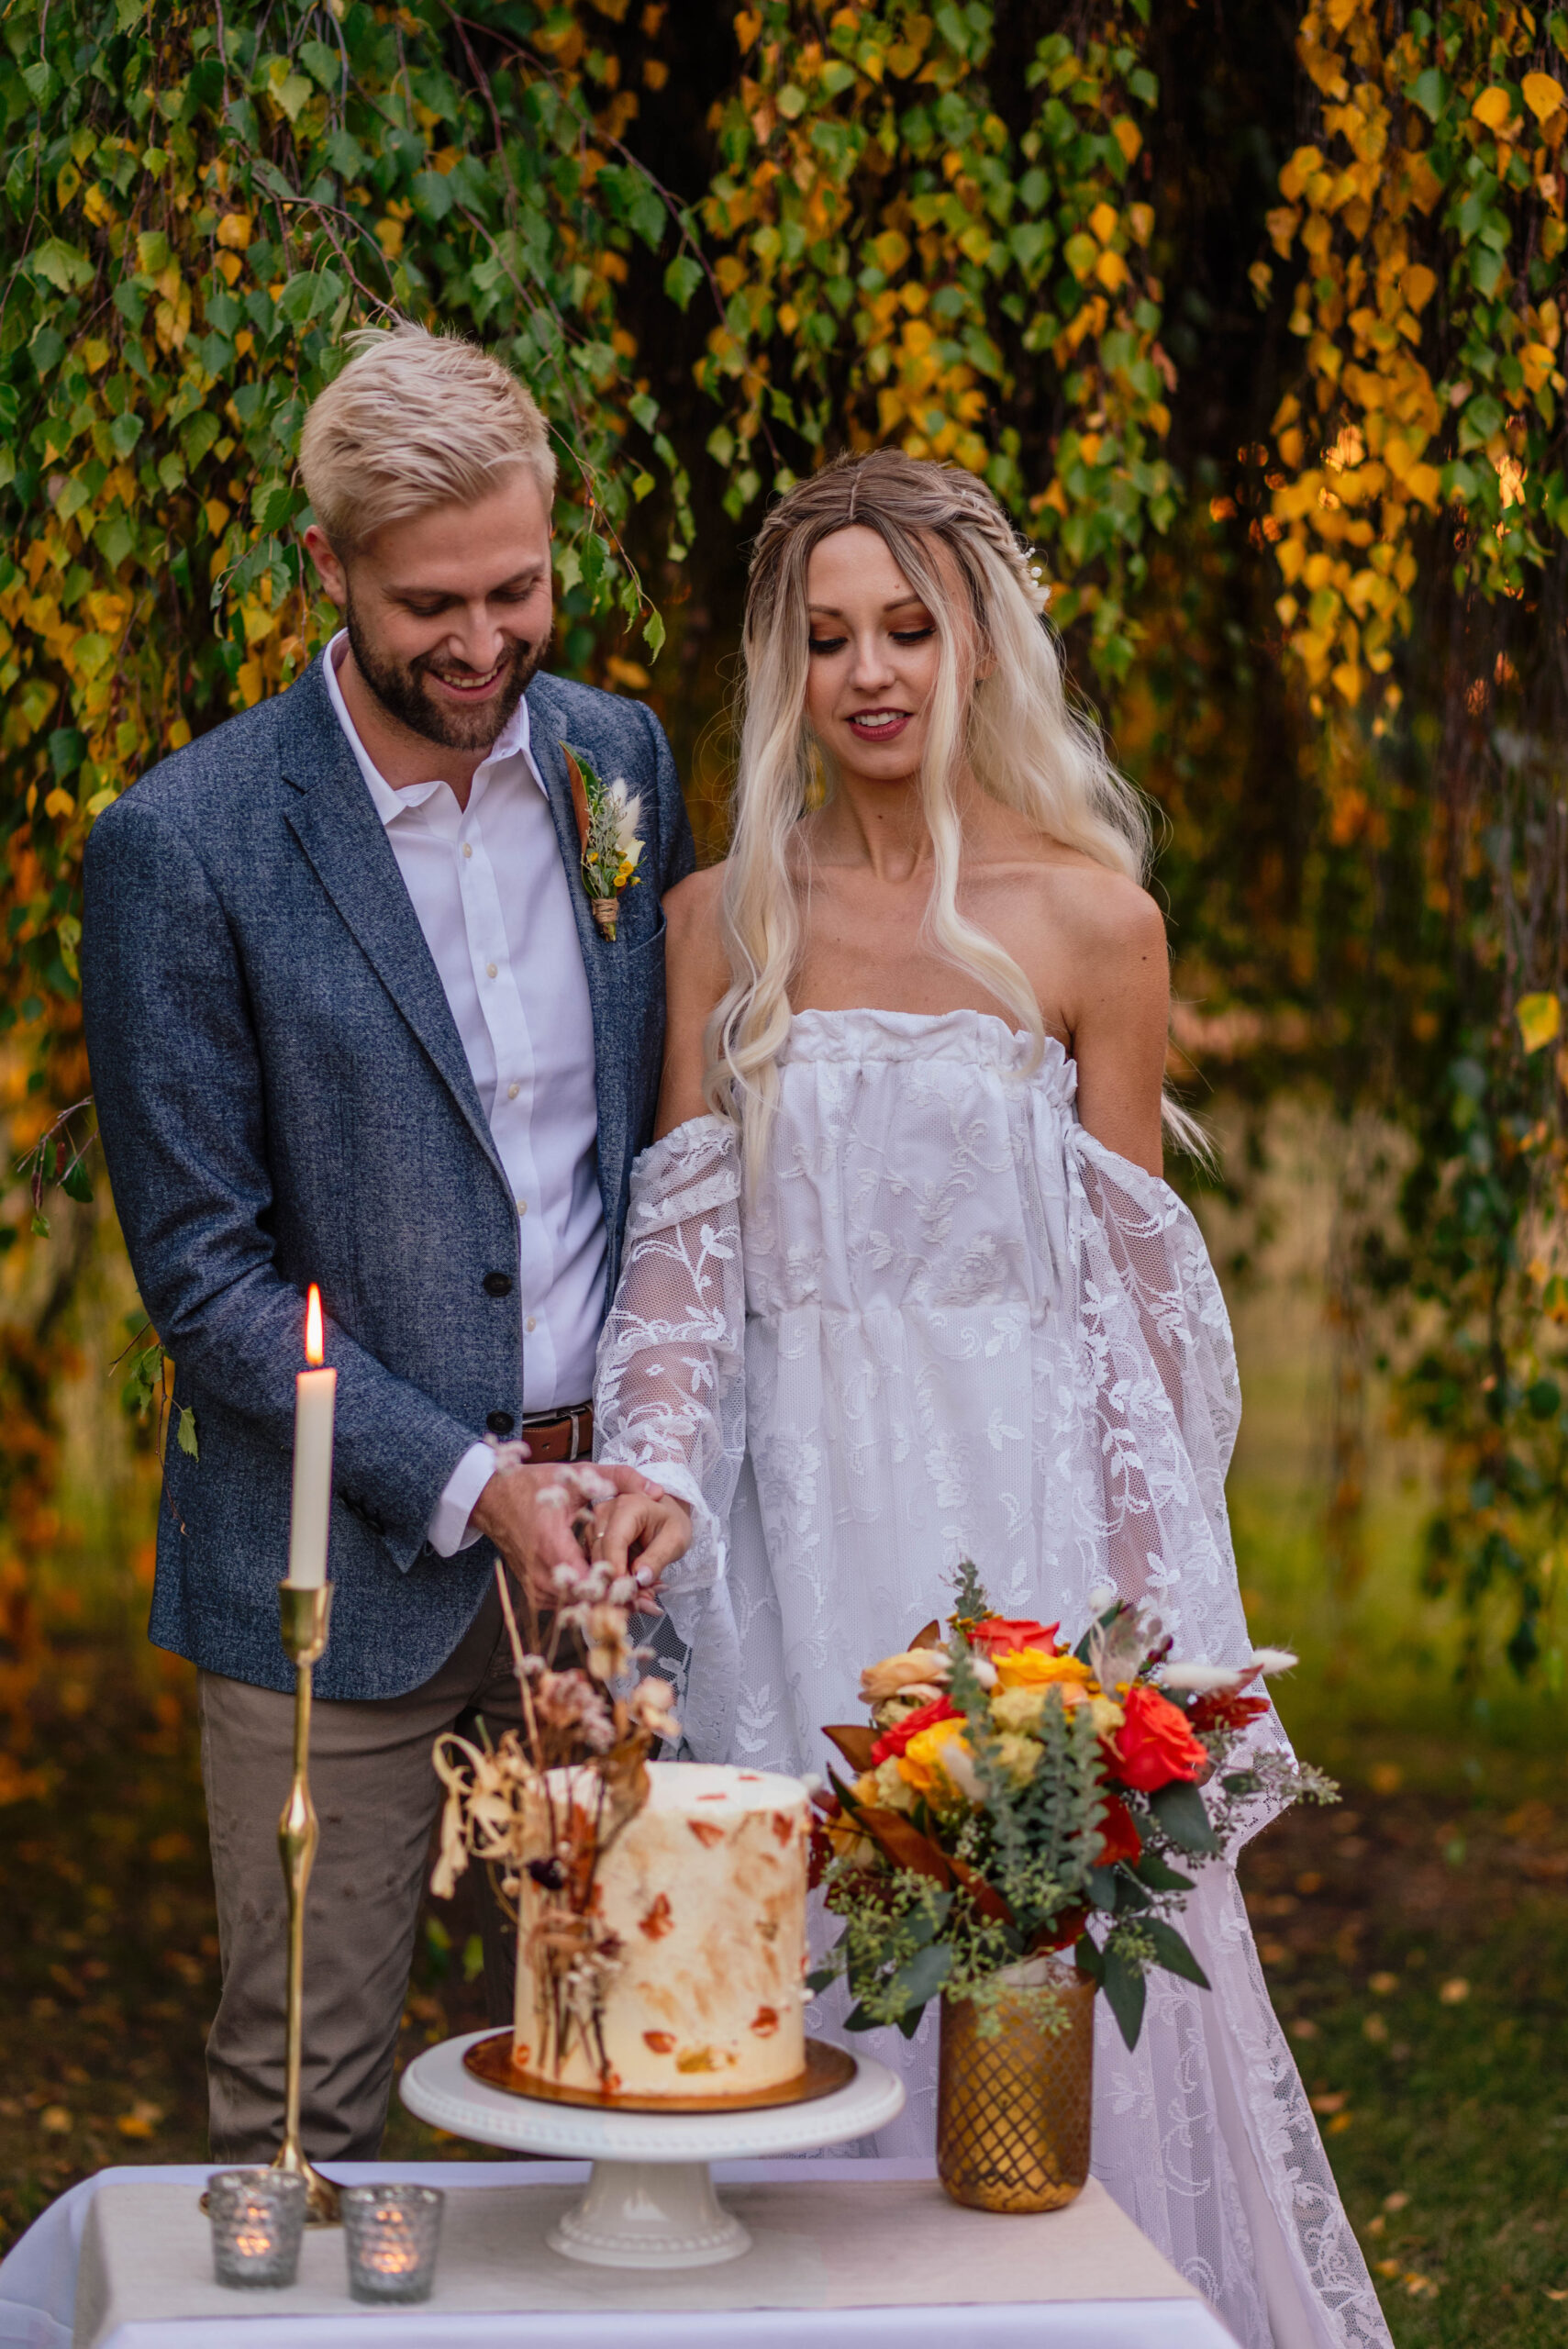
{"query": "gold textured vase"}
(1013, 2112)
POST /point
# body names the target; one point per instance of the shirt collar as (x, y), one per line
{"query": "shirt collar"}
(390, 802)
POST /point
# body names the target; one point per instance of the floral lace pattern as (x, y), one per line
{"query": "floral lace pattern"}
(945, 1322)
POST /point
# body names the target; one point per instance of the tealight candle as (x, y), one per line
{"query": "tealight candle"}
(258, 2219)
(391, 2233)
(315, 1408)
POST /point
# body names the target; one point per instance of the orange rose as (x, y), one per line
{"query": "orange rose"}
(1121, 1838)
(997, 1634)
(892, 1741)
(1154, 1746)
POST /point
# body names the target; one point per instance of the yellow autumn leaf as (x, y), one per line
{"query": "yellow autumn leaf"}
(1544, 95)
(60, 802)
(1418, 285)
(1540, 1018)
(1111, 271)
(1493, 107)
(234, 230)
(1128, 137)
(1102, 220)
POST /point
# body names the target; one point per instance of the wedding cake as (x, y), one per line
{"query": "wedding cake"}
(685, 1975)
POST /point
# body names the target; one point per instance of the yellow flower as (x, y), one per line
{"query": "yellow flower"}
(1020, 1756)
(1109, 1715)
(1018, 1708)
(1032, 1669)
(937, 1762)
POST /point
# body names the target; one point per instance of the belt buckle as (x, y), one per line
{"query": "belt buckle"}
(574, 1421)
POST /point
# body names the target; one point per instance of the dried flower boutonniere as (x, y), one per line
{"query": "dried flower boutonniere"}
(608, 819)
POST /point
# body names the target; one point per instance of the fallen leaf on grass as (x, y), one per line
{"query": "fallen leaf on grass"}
(1376, 2029)
(55, 2119)
(1335, 2103)
(1454, 1993)
(1418, 2285)
(1397, 2202)
(1383, 1984)
(1388, 2267)
(1555, 2296)
(1342, 2121)
(140, 2121)
(1304, 2028)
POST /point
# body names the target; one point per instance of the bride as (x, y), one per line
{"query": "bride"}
(904, 1283)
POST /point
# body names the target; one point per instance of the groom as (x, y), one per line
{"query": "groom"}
(350, 1020)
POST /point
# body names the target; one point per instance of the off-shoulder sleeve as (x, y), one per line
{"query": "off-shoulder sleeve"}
(669, 1395)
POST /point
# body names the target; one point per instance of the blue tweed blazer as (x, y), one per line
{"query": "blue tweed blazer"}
(284, 1098)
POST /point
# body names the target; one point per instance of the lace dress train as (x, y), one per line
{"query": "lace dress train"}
(944, 1322)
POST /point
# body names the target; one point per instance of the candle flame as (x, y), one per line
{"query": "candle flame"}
(314, 1351)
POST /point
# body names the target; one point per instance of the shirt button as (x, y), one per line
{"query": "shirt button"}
(529, 1325)
(467, 848)
(512, 1090)
(489, 970)
(522, 1206)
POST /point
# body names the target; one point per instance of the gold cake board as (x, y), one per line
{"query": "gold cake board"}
(828, 2069)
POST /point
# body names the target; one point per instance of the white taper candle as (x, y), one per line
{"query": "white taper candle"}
(314, 1407)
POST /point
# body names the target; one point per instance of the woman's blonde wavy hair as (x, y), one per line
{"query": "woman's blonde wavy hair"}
(1015, 732)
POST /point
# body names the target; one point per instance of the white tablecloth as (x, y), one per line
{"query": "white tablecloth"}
(848, 2255)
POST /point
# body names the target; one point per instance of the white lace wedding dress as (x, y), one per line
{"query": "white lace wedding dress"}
(945, 1322)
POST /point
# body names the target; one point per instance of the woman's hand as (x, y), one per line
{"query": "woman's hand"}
(640, 1534)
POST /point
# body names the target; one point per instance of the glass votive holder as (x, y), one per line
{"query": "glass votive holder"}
(391, 2233)
(257, 2220)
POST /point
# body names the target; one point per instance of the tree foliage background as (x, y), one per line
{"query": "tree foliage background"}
(1252, 317)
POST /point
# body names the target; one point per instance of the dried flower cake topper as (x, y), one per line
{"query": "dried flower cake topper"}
(607, 820)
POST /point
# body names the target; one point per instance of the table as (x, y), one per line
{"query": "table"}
(848, 2255)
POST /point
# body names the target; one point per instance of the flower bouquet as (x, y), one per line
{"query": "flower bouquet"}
(1014, 1799)
(541, 1807)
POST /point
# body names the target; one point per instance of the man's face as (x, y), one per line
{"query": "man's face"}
(449, 614)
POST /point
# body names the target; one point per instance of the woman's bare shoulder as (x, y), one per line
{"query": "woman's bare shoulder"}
(695, 949)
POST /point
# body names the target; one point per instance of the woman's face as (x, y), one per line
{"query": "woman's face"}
(874, 660)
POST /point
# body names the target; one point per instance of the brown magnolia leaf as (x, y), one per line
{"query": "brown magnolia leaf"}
(931, 1637)
(854, 1742)
(985, 1897)
(905, 1845)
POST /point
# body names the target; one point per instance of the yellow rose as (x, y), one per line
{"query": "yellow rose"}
(891, 1790)
(1018, 1708)
(1020, 1756)
(1032, 1669)
(937, 1762)
(1109, 1715)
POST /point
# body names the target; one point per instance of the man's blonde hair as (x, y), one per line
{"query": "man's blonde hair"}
(415, 421)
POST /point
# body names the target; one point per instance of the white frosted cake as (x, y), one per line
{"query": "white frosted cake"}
(698, 1918)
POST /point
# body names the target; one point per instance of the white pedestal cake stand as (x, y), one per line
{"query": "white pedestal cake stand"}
(650, 2202)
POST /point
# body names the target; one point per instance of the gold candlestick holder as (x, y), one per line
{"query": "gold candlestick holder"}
(303, 1615)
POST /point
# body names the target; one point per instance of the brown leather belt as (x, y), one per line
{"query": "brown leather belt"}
(559, 1435)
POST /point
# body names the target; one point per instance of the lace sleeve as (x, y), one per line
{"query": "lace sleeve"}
(669, 1394)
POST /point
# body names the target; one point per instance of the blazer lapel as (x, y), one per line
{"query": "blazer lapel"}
(335, 821)
(547, 724)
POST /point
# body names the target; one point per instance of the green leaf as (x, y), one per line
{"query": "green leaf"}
(653, 634)
(1124, 1989)
(922, 1976)
(76, 1184)
(1172, 1951)
(1181, 1811)
(323, 63)
(185, 1434)
(64, 266)
(682, 279)
(1159, 1875)
(1427, 91)
(41, 1226)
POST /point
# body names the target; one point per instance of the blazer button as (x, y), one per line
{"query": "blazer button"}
(500, 1422)
(497, 1284)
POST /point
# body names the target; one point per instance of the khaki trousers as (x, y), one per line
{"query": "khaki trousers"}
(377, 1797)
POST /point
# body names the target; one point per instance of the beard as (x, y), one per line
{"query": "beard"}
(398, 686)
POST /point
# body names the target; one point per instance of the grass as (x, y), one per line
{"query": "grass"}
(1416, 1938)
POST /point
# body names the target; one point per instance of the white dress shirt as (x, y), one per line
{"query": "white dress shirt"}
(493, 901)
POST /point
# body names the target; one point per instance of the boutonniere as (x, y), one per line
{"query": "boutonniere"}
(608, 817)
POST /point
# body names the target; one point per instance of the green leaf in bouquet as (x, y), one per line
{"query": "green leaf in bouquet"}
(1122, 1981)
(1182, 1813)
(1159, 1875)
(1172, 1951)
(1129, 1894)
(919, 1980)
(1102, 1890)
(823, 1978)
(1240, 1782)
(1086, 1957)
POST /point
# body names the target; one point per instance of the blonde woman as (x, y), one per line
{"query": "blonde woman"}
(904, 1283)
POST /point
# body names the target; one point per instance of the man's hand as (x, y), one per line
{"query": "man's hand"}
(528, 1512)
